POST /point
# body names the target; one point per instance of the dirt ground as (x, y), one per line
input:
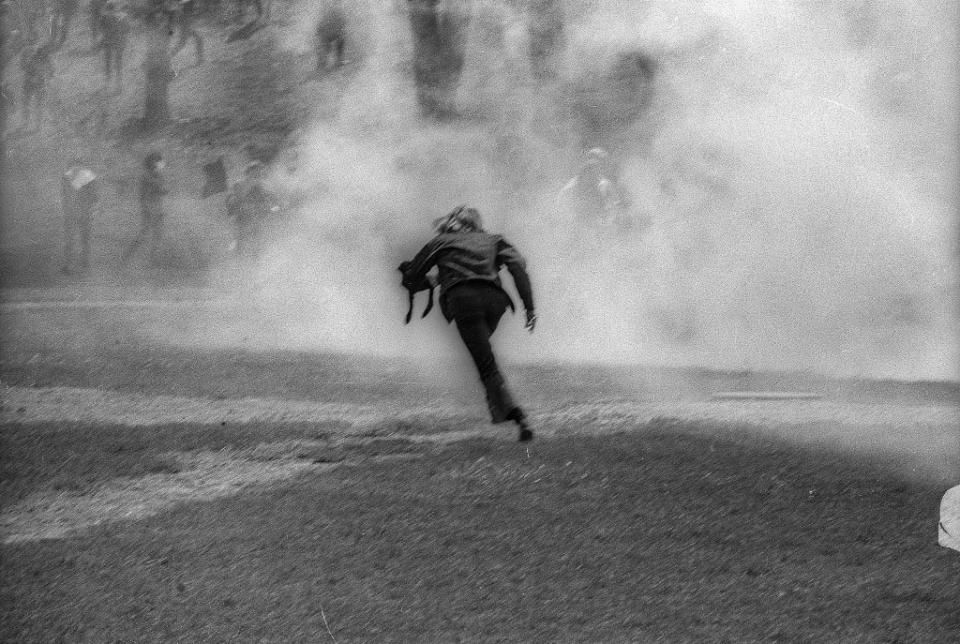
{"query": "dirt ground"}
(155, 493)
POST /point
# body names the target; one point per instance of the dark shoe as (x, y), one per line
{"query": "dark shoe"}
(526, 434)
(517, 416)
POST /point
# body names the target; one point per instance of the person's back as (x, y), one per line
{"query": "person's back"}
(476, 256)
(468, 261)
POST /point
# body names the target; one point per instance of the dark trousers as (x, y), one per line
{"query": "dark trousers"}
(477, 307)
(76, 226)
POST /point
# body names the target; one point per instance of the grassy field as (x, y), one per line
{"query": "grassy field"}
(640, 536)
(435, 526)
(166, 492)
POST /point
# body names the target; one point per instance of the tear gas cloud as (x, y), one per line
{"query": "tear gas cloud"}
(796, 160)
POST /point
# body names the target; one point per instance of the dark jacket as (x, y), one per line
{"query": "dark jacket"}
(470, 257)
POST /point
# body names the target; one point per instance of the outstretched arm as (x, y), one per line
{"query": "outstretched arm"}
(517, 266)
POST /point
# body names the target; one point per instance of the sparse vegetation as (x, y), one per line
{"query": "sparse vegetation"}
(417, 521)
(669, 530)
(635, 537)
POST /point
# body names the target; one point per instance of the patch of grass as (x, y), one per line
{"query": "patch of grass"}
(90, 348)
(104, 349)
(656, 537)
(81, 477)
(74, 457)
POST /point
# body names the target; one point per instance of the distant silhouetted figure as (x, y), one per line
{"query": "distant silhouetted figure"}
(439, 32)
(469, 261)
(157, 76)
(183, 20)
(151, 191)
(331, 34)
(114, 27)
(595, 195)
(545, 32)
(78, 197)
(95, 10)
(250, 207)
(615, 96)
(37, 70)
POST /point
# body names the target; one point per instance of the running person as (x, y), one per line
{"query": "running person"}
(469, 261)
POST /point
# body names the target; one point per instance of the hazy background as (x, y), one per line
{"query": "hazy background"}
(798, 161)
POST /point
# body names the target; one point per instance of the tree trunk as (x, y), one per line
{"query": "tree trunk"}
(438, 53)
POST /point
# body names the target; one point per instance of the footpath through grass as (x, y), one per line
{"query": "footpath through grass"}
(648, 536)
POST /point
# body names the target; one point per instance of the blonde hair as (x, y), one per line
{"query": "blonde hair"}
(460, 219)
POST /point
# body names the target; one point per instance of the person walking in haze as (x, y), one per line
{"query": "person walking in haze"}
(595, 194)
(37, 70)
(152, 188)
(250, 206)
(468, 260)
(114, 27)
(78, 197)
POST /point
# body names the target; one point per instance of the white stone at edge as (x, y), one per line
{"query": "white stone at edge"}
(949, 529)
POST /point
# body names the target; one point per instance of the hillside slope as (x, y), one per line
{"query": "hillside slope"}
(243, 102)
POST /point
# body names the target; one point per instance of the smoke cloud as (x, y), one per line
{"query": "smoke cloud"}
(796, 161)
